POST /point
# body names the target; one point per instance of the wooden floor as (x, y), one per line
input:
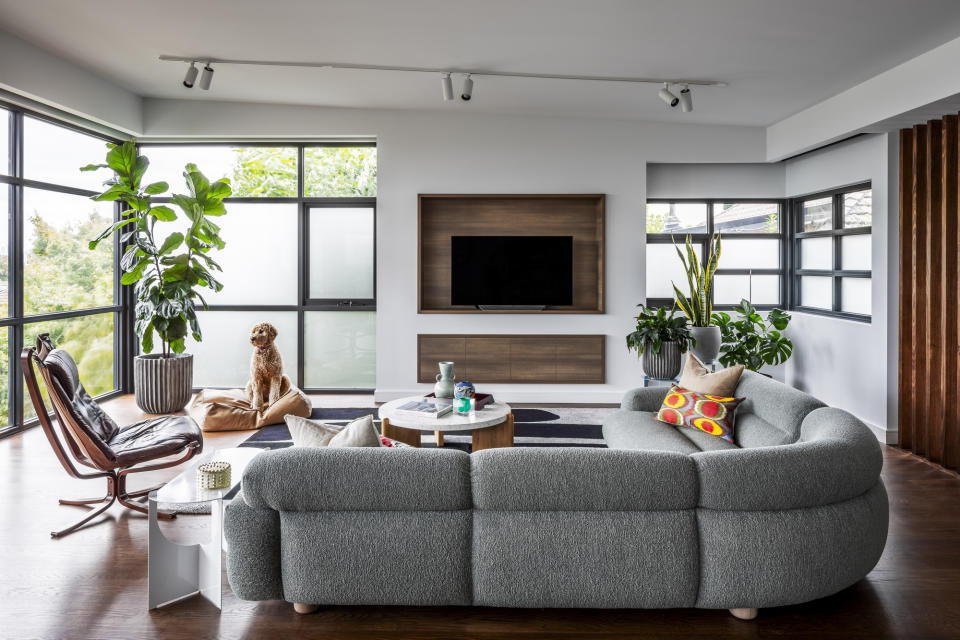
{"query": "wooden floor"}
(92, 584)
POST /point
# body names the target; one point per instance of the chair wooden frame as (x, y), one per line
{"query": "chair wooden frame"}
(82, 449)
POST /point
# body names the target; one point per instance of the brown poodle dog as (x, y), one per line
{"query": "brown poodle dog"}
(267, 382)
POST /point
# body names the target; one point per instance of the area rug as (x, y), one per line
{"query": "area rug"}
(554, 427)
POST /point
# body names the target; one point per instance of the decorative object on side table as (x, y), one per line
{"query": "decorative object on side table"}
(444, 386)
(751, 340)
(213, 475)
(166, 282)
(697, 304)
(464, 397)
(660, 338)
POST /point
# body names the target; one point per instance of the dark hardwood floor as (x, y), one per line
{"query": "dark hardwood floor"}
(93, 583)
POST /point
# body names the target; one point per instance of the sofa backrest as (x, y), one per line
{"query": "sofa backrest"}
(359, 479)
(772, 412)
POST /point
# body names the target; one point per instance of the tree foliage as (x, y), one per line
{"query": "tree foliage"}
(328, 172)
(167, 274)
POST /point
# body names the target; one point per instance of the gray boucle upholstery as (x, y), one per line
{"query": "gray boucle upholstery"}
(377, 557)
(798, 513)
(352, 479)
(837, 458)
(779, 557)
(556, 479)
(585, 559)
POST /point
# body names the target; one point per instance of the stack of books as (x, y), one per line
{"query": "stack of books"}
(482, 399)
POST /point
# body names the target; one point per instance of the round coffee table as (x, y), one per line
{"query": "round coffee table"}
(491, 426)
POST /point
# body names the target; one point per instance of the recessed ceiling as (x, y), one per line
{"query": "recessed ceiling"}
(779, 56)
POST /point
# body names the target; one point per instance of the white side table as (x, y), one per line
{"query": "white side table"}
(177, 570)
(491, 426)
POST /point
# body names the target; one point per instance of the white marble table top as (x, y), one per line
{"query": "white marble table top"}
(491, 415)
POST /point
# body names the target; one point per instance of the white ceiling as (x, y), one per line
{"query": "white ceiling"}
(779, 56)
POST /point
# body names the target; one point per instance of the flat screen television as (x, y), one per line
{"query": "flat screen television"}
(512, 271)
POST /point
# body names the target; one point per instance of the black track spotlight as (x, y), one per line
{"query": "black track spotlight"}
(467, 92)
(191, 76)
(447, 87)
(668, 97)
(686, 99)
(206, 77)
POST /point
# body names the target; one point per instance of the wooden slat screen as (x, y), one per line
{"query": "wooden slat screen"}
(929, 416)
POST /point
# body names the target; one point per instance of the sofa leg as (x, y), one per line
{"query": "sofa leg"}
(744, 613)
(304, 609)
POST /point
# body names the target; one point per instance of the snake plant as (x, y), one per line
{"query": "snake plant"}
(698, 303)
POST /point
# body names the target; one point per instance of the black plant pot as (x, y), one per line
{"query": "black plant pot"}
(163, 385)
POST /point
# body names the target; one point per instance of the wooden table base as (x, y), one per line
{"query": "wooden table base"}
(500, 435)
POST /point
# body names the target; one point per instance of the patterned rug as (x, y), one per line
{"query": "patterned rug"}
(554, 427)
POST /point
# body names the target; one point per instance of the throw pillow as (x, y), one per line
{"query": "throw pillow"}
(708, 413)
(698, 378)
(359, 433)
(396, 444)
(310, 433)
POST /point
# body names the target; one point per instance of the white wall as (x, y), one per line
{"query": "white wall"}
(466, 152)
(843, 362)
(28, 71)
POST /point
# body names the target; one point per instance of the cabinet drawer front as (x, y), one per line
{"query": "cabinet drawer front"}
(434, 349)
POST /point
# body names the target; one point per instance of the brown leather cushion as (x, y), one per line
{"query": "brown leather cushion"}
(154, 438)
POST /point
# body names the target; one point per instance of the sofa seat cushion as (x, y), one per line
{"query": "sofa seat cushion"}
(626, 429)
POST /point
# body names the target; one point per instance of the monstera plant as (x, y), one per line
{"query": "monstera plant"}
(168, 273)
(751, 340)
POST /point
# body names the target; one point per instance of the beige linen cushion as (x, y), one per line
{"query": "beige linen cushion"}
(699, 379)
(359, 433)
(311, 433)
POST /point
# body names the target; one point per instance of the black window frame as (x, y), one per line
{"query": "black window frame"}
(836, 233)
(703, 239)
(16, 320)
(304, 203)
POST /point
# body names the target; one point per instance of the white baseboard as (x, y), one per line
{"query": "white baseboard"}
(886, 436)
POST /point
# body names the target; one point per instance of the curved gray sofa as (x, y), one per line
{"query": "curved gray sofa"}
(798, 513)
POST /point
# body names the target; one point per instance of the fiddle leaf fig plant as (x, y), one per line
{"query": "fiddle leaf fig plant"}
(752, 340)
(168, 274)
(656, 326)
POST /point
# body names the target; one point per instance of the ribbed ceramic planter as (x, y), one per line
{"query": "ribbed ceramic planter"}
(708, 343)
(666, 364)
(163, 385)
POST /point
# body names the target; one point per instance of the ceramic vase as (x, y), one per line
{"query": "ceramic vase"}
(664, 365)
(444, 386)
(708, 343)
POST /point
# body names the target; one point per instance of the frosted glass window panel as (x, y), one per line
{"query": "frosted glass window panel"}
(858, 209)
(818, 214)
(676, 217)
(55, 154)
(816, 253)
(749, 254)
(266, 172)
(222, 359)
(89, 339)
(5, 379)
(746, 217)
(340, 172)
(5, 193)
(855, 295)
(260, 258)
(60, 273)
(816, 292)
(855, 252)
(341, 253)
(5, 119)
(664, 266)
(340, 350)
(731, 289)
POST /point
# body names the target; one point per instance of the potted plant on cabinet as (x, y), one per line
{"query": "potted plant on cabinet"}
(660, 338)
(697, 303)
(752, 340)
(167, 274)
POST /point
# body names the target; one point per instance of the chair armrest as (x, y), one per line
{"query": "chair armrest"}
(644, 399)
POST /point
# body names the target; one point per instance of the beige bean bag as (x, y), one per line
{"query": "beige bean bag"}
(229, 410)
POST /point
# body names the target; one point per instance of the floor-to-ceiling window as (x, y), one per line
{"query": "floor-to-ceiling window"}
(49, 280)
(300, 254)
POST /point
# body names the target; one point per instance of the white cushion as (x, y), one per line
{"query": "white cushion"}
(359, 433)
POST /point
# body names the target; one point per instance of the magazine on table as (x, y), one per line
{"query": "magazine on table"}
(426, 407)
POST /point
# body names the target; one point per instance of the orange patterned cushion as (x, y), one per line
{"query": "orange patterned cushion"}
(712, 414)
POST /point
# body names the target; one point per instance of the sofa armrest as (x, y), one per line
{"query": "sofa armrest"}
(644, 399)
(253, 559)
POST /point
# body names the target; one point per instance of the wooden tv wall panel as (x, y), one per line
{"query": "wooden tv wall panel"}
(444, 215)
(544, 359)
